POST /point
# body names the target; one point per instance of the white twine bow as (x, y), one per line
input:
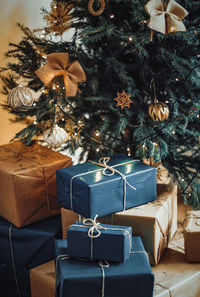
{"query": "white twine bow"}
(94, 227)
(103, 163)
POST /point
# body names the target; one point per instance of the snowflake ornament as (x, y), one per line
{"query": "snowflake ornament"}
(123, 99)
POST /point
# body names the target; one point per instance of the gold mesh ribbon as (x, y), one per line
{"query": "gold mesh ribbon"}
(166, 18)
(58, 64)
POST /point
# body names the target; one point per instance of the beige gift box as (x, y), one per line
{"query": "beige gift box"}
(155, 222)
(43, 283)
(174, 277)
(192, 236)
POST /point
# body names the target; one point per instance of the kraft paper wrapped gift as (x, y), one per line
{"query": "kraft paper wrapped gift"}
(155, 222)
(28, 182)
(99, 242)
(43, 282)
(97, 279)
(68, 217)
(90, 189)
(192, 236)
(174, 277)
(23, 249)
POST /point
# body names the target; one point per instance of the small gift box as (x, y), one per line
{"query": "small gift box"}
(92, 278)
(106, 187)
(43, 282)
(192, 236)
(155, 222)
(23, 249)
(99, 242)
(28, 182)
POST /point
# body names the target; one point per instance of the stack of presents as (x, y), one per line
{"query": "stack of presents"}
(102, 228)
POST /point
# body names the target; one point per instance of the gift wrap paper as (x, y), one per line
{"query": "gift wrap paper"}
(113, 243)
(86, 190)
(23, 249)
(192, 236)
(83, 278)
(155, 222)
(43, 283)
(28, 182)
(68, 217)
(174, 277)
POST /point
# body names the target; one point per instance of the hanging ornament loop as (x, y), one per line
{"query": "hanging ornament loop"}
(100, 10)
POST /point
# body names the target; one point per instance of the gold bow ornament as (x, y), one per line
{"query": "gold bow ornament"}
(166, 18)
(58, 64)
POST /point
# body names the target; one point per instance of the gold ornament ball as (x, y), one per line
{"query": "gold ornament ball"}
(20, 98)
(158, 111)
(55, 136)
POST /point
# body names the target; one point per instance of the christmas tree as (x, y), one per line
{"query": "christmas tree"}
(126, 81)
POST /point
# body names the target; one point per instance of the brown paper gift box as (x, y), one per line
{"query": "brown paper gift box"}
(43, 283)
(155, 222)
(192, 236)
(174, 277)
(28, 182)
(68, 217)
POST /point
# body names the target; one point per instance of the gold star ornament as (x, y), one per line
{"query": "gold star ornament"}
(123, 99)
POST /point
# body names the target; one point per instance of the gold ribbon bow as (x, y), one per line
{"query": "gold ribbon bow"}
(58, 64)
(166, 18)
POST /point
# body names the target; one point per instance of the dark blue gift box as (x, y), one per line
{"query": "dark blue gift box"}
(90, 190)
(96, 279)
(21, 250)
(99, 242)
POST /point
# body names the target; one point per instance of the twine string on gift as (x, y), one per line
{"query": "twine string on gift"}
(13, 260)
(103, 162)
(101, 264)
(105, 167)
(106, 265)
(93, 225)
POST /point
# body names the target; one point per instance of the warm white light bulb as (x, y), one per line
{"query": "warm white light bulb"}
(112, 16)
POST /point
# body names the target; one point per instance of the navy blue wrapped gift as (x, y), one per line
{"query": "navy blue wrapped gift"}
(105, 187)
(93, 241)
(100, 278)
(23, 249)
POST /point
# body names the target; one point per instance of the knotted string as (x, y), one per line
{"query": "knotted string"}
(93, 225)
(103, 163)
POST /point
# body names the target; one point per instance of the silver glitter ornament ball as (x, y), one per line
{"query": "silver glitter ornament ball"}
(20, 98)
(55, 136)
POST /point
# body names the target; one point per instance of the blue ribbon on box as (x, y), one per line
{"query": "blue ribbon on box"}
(92, 225)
